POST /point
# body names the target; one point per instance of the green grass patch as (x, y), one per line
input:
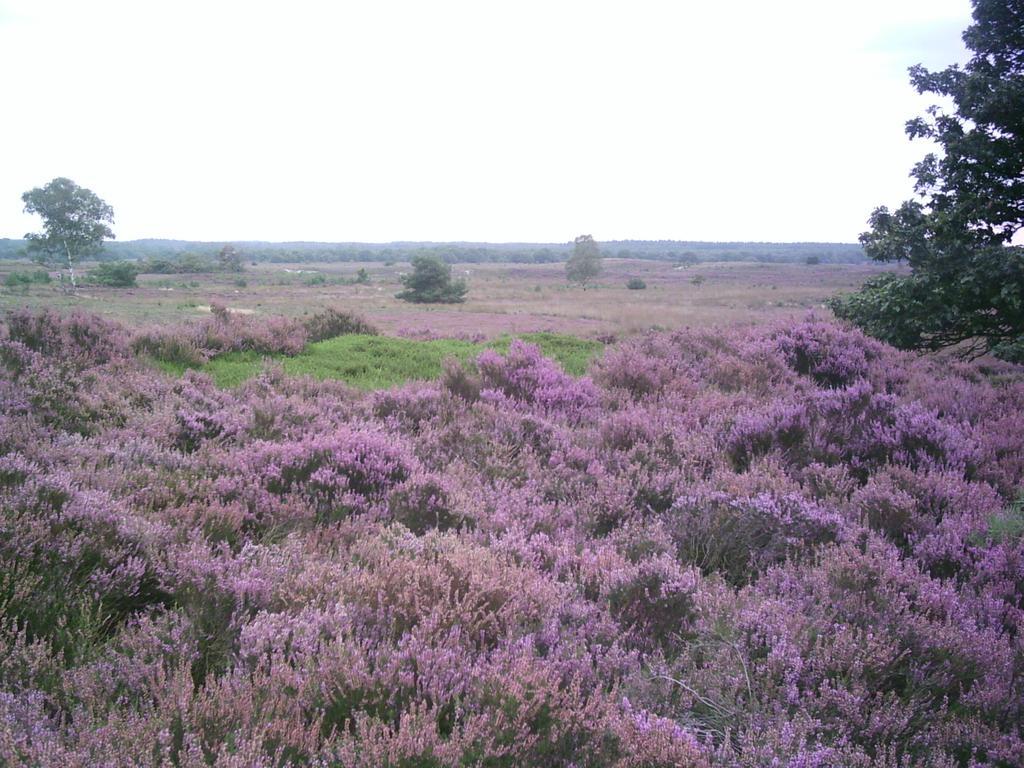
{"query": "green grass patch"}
(379, 362)
(173, 368)
(369, 362)
(1008, 526)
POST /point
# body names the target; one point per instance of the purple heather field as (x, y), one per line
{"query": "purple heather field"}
(782, 545)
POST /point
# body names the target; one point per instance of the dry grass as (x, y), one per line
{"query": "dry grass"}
(518, 298)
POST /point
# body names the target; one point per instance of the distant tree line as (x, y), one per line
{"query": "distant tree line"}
(190, 256)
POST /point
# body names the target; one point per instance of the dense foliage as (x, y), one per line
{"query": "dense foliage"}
(114, 274)
(783, 546)
(24, 278)
(430, 282)
(229, 259)
(966, 285)
(187, 263)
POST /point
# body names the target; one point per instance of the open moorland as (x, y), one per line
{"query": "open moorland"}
(421, 504)
(502, 298)
(237, 538)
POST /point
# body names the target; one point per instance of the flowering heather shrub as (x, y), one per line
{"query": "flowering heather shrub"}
(459, 381)
(832, 356)
(192, 344)
(632, 367)
(73, 566)
(780, 546)
(739, 537)
(868, 430)
(524, 375)
(68, 394)
(79, 338)
(204, 412)
(226, 332)
(778, 426)
(653, 598)
(408, 407)
(855, 426)
(346, 471)
(422, 503)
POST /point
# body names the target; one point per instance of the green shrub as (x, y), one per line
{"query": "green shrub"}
(114, 274)
(636, 284)
(431, 283)
(19, 279)
(188, 263)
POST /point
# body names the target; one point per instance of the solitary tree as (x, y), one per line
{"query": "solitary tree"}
(431, 283)
(229, 259)
(966, 281)
(74, 224)
(585, 263)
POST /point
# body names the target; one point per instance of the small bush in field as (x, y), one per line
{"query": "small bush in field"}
(114, 274)
(332, 322)
(636, 284)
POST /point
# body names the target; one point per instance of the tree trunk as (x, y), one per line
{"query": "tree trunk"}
(71, 266)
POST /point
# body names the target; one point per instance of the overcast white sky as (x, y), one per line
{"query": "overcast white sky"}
(477, 120)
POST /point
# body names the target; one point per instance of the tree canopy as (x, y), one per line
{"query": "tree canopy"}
(431, 283)
(75, 223)
(585, 263)
(966, 281)
(229, 259)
